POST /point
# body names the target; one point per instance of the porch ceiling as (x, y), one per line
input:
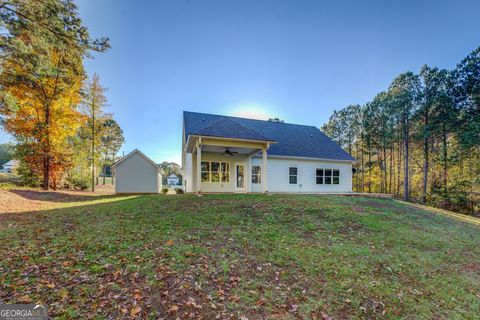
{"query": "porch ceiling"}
(218, 149)
(218, 144)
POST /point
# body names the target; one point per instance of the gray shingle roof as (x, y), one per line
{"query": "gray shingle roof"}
(230, 129)
(291, 139)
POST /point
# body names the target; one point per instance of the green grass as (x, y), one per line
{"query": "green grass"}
(256, 256)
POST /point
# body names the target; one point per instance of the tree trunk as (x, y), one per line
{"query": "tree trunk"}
(363, 167)
(406, 191)
(445, 161)
(425, 162)
(380, 163)
(385, 159)
(46, 157)
(369, 171)
(93, 145)
(391, 168)
(399, 160)
(111, 169)
(105, 166)
(46, 172)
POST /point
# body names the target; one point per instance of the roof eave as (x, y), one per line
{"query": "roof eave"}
(310, 158)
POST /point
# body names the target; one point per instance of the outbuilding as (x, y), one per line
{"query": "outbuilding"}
(137, 173)
(172, 180)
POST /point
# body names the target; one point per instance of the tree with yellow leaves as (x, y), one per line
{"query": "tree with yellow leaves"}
(41, 77)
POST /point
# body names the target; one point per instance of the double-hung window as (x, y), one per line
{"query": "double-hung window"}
(215, 171)
(293, 175)
(319, 176)
(327, 176)
(256, 174)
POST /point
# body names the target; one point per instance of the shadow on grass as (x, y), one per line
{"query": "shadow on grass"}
(105, 206)
(59, 196)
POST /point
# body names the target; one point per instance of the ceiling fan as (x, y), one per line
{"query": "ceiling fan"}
(228, 152)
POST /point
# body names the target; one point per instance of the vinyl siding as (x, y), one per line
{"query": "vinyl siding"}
(137, 175)
(278, 175)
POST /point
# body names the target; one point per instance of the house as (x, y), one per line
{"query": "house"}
(136, 173)
(230, 154)
(10, 166)
(172, 180)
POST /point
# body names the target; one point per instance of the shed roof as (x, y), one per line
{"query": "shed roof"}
(136, 151)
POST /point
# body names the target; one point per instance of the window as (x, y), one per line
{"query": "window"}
(215, 171)
(328, 176)
(205, 171)
(336, 176)
(256, 174)
(319, 176)
(293, 173)
(225, 175)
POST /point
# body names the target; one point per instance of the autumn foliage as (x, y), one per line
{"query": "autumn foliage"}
(41, 79)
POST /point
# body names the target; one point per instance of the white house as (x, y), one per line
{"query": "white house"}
(230, 154)
(136, 173)
(172, 180)
(10, 166)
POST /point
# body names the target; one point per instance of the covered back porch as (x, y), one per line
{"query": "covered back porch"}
(224, 164)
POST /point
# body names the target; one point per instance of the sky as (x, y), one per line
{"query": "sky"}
(296, 60)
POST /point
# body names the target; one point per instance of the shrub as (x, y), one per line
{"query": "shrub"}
(178, 190)
(164, 190)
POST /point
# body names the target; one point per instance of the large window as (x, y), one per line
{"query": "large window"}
(256, 174)
(327, 176)
(215, 171)
(293, 174)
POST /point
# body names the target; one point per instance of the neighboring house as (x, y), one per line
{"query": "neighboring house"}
(10, 166)
(229, 154)
(172, 180)
(136, 173)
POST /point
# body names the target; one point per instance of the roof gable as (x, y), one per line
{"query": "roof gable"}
(291, 139)
(227, 128)
(12, 162)
(136, 151)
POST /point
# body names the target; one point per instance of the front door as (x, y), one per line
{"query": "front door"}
(240, 177)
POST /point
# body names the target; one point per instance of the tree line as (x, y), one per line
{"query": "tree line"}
(54, 111)
(420, 138)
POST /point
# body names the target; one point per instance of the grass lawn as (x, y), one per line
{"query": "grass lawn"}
(241, 256)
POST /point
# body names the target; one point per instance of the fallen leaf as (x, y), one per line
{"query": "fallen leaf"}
(136, 310)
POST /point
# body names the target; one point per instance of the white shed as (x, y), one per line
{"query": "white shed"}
(137, 173)
(10, 166)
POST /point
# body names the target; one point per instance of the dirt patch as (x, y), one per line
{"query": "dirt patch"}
(472, 267)
(12, 202)
(358, 209)
(377, 204)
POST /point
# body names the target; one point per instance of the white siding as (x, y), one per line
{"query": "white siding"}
(278, 175)
(135, 174)
(188, 173)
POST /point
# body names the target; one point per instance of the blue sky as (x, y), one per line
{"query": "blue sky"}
(296, 60)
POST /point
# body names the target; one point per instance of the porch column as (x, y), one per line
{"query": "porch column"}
(264, 170)
(199, 169)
